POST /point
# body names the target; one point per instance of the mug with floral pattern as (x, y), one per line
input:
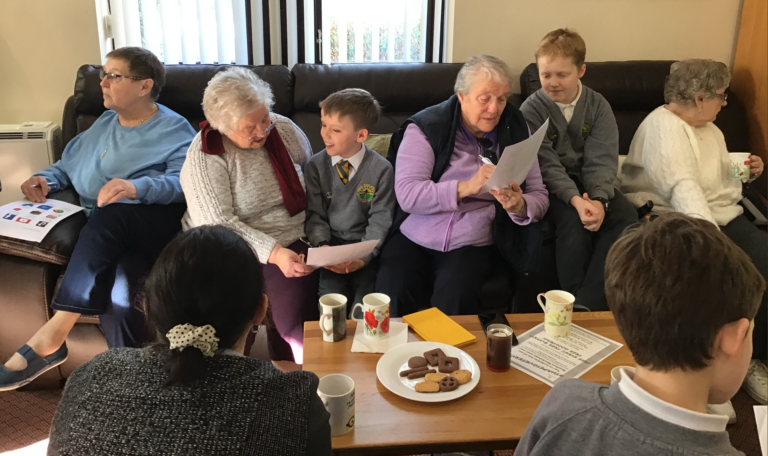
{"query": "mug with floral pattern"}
(375, 315)
(558, 312)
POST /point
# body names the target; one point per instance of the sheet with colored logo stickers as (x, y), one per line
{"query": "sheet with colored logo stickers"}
(30, 221)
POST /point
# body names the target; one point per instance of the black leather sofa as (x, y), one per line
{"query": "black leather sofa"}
(29, 272)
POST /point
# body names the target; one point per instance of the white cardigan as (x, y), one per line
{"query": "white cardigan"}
(681, 168)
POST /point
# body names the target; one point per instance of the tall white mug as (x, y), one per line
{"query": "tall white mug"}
(375, 315)
(337, 391)
(558, 312)
(333, 317)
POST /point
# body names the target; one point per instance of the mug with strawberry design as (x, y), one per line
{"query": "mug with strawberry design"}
(375, 315)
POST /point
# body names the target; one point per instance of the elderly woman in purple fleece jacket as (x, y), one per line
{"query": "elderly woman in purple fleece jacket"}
(446, 246)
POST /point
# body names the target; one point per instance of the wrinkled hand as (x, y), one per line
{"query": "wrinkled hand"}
(511, 198)
(289, 262)
(598, 210)
(346, 268)
(475, 184)
(755, 166)
(37, 193)
(114, 190)
(587, 211)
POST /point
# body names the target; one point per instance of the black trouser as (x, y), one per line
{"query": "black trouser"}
(755, 244)
(580, 253)
(415, 277)
(114, 253)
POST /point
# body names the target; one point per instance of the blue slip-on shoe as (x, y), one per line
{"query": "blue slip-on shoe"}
(36, 366)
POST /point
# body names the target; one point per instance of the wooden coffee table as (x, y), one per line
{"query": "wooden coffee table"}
(492, 417)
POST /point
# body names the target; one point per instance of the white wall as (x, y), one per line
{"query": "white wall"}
(42, 44)
(612, 29)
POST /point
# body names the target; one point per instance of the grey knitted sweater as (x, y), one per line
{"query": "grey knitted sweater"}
(361, 210)
(586, 148)
(117, 405)
(239, 190)
(582, 418)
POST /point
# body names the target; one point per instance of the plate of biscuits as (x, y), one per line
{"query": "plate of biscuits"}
(428, 372)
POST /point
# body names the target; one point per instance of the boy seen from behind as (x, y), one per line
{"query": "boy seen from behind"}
(350, 191)
(579, 159)
(684, 297)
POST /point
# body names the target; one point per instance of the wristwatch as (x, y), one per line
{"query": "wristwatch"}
(606, 203)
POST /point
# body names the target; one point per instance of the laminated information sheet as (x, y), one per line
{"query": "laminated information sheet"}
(30, 221)
(554, 359)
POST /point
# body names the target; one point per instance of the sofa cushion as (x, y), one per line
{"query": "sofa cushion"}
(379, 143)
(57, 246)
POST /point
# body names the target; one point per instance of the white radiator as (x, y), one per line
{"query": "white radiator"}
(24, 150)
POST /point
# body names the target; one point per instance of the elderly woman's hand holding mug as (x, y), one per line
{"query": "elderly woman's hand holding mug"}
(289, 262)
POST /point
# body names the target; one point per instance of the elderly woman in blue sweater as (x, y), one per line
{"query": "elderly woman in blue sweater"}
(126, 170)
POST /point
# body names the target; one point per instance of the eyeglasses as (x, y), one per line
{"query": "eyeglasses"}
(722, 96)
(487, 144)
(260, 134)
(117, 77)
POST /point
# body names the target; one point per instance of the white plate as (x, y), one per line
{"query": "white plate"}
(389, 367)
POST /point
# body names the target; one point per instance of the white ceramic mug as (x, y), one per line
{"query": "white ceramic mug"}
(337, 392)
(739, 166)
(558, 312)
(616, 372)
(375, 315)
(333, 317)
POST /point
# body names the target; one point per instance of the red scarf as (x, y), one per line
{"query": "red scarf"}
(294, 198)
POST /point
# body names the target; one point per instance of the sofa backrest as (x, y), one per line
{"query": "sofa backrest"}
(634, 89)
(402, 89)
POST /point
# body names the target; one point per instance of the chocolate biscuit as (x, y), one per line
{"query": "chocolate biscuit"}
(448, 384)
(416, 362)
(433, 356)
(408, 372)
(448, 364)
(420, 374)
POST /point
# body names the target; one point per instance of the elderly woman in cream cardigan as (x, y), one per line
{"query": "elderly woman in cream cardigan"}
(678, 159)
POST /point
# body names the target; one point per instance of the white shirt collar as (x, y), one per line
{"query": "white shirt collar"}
(354, 160)
(669, 412)
(575, 100)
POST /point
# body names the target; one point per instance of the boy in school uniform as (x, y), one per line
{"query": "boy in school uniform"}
(684, 297)
(579, 160)
(350, 192)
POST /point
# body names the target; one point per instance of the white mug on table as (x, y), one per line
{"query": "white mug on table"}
(333, 317)
(375, 315)
(337, 391)
(558, 312)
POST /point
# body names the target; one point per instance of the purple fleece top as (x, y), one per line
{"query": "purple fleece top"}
(437, 220)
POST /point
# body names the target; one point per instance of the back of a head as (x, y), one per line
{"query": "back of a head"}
(564, 43)
(205, 276)
(357, 104)
(673, 284)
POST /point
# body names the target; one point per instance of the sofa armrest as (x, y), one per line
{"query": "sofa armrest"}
(57, 246)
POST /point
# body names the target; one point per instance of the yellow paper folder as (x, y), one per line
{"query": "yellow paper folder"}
(435, 326)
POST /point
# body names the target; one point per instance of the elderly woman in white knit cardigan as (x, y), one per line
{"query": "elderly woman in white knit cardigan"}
(678, 160)
(244, 171)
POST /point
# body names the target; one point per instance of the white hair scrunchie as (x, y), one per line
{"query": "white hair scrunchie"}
(201, 337)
